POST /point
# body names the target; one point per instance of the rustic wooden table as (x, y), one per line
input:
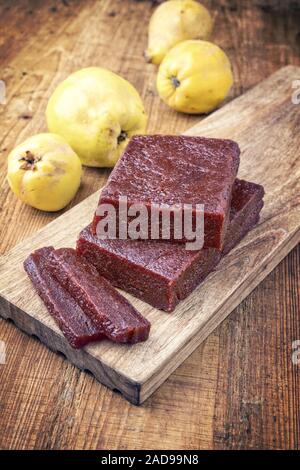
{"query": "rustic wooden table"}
(240, 389)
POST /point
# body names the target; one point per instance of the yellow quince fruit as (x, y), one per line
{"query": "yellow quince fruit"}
(44, 172)
(96, 111)
(175, 21)
(194, 77)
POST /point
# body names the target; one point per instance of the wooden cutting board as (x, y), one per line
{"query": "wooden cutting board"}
(266, 124)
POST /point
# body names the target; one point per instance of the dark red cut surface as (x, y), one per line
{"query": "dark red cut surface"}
(77, 328)
(162, 273)
(105, 306)
(172, 170)
(246, 204)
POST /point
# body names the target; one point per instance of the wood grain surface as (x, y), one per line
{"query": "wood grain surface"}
(240, 389)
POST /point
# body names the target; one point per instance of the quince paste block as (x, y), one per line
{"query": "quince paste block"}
(163, 273)
(168, 170)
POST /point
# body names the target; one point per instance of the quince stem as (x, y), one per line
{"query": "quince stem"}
(29, 160)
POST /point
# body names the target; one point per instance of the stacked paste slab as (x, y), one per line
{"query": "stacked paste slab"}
(163, 273)
(167, 170)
